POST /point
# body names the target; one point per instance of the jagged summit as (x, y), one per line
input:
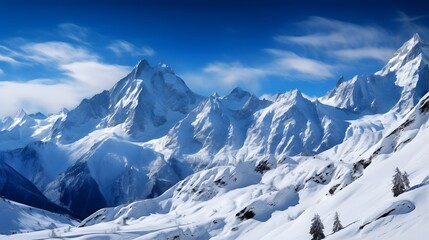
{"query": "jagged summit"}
(146, 99)
(414, 49)
(143, 66)
(294, 95)
(20, 114)
(398, 86)
(238, 92)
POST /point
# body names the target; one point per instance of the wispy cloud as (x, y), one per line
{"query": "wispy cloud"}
(121, 47)
(221, 77)
(8, 59)
(60, 52)
(364, 53)
(288, 63)
(410, 24)
(232, 73)
(74, 32)
(7, 55)
(336, 34)
(80, 73)
(403, 17)
(342, 39)
(329, 48)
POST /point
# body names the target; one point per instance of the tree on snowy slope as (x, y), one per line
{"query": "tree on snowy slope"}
(398, 183)
(316, 229)
(406, 180)
(337, 224)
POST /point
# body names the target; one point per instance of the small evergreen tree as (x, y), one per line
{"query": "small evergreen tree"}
(337, 224)
(398, 183)
(406, 180)
(316, 229)
(53, 234)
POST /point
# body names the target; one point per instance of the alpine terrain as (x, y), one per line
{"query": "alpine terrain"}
(151, 159)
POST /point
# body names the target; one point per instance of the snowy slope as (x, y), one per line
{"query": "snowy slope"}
(102, 132)
(129, 173)
(16, 217)
(250, 202)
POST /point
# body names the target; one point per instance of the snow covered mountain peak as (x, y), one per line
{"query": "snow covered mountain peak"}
(293, 96)
(415, 48)
(145, 100)
(238, 92)
(398, 86)
(144, 66)
(139, 68)
(20, 114)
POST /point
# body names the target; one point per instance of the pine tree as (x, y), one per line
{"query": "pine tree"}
(337, 224)
(316, 229)
(406, 180)
(398, 183)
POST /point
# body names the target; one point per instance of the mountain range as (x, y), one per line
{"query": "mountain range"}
(150, 158)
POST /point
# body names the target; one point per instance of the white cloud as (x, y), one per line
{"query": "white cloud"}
(81, 74)
(308, 69)
(403, 17)
(48, 95)
(409, 25)
(290, 64)
(222, 77)
(120, 47)
(9, 56)
(94, 76)
(382, 54)
(343, 40)
(316, 40)
(57, 52)
(8, 59)
(233, 73)
(73, 32)
(336, 34)
(35, 96)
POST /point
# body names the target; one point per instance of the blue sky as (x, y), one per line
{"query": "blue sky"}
(55, 53)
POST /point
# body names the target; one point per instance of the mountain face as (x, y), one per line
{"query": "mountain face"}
(17, 188)
(398, 86)
(146, 103)
(153, 154)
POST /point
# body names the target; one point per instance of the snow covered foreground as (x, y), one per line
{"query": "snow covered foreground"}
(213, 203)
(240, 167)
